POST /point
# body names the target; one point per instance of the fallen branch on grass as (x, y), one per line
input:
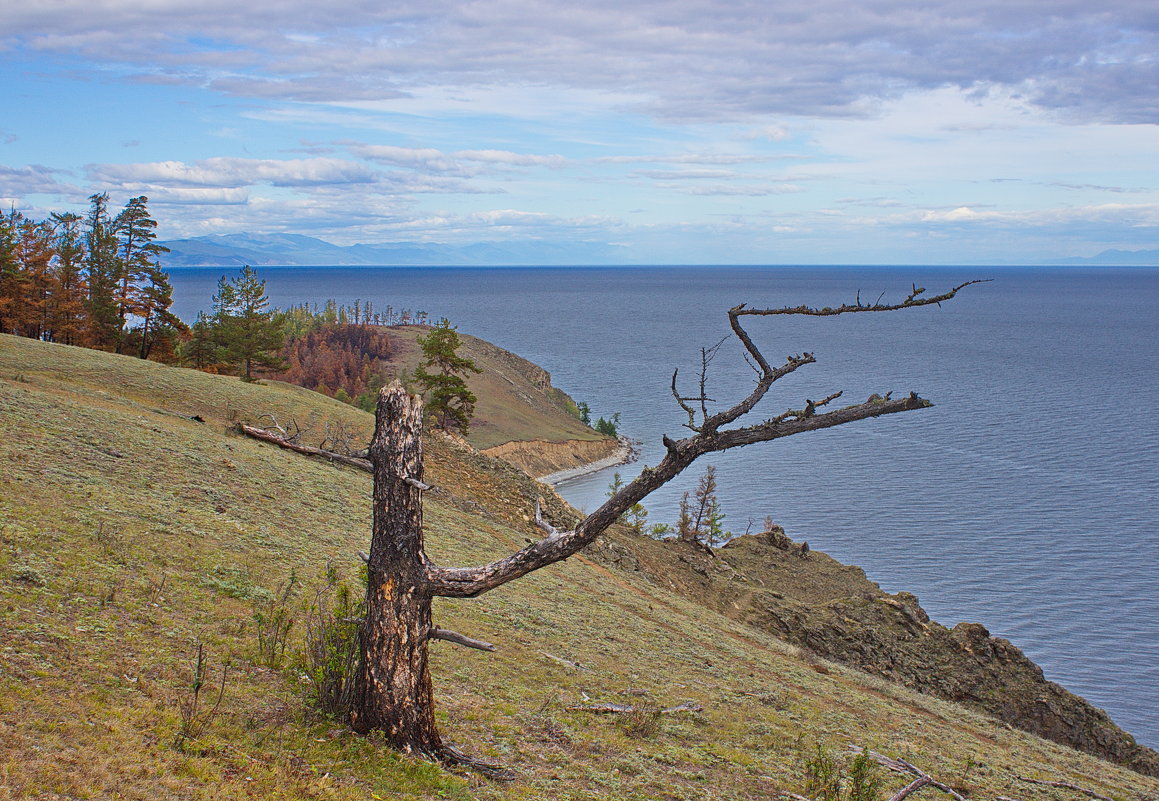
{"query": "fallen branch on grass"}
(1064, 786)
(627, 709)
(901, 766)
(282, 442)
(566, 662)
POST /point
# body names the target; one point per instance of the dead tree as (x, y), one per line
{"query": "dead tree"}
(393, 692)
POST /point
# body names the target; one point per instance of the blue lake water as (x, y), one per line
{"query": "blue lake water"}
(1026, 499)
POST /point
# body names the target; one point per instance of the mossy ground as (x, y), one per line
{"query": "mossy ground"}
(129, 533)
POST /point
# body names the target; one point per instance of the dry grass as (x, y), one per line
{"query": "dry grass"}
(108, 487)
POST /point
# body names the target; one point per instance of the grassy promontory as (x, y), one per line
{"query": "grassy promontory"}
(131, 532)
(520, 416)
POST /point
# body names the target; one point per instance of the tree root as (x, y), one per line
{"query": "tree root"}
(452, 757)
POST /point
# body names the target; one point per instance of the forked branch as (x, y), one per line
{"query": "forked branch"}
(707, 438)
(901, 766)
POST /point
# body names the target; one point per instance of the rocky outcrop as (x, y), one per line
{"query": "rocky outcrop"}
(833, 610)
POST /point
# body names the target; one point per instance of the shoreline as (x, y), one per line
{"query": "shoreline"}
(626, 453)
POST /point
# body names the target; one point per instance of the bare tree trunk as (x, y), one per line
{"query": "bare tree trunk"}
(393, 688)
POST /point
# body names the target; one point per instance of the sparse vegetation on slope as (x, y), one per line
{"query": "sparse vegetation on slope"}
(131, 532)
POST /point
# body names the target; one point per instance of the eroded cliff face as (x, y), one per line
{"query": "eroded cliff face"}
(540, 458)
(834, 611)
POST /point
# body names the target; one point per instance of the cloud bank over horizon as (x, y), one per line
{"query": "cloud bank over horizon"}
(682, 130)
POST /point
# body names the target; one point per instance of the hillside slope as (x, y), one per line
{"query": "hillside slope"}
(130, 532)
(520, 416)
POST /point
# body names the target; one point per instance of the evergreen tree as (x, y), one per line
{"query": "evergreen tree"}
(700, 519)
(441, 377)
(34, 254)
(159, 326)
(636, 517)
(11, 278)
(200, 349)
(248, 332)
(102, 265)
(708, 519)
(138, 271)
(69, 305)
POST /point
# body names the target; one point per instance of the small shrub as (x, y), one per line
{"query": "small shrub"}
(865, 783)
(329, 657)
(195, 718)
(822, 778)
(28, 575)
(643, 721)
(273, 620)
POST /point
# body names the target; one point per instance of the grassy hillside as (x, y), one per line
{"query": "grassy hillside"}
(130, 533)
(516, 399)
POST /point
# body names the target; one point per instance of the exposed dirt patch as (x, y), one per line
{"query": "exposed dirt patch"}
(540, 458)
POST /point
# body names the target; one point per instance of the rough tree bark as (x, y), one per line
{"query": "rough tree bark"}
(393, 688)
(393, 693)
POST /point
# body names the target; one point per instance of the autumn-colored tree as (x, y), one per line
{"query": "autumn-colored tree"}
(344, 357)
(10, 274)
(442, 377)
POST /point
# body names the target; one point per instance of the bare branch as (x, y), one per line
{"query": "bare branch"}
(566, 662)
(912, 787)
(1065, 786)
(627, 709)
(683, 405)
(911, 301)
(282, 442)
(901, 766)
(437, 633)
(467, 582)
(707, 438)
(551, 530)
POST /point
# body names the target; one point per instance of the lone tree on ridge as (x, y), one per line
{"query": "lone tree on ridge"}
(393, 692)
(442, 376)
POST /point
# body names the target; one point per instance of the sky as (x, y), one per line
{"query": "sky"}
(672, 131)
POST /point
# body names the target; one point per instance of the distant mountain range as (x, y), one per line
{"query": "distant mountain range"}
(1118, 258)
(257, 250)
(296, 250)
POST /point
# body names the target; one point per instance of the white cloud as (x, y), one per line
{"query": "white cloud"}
(1122, 215)
(233, 172)
(679, 59)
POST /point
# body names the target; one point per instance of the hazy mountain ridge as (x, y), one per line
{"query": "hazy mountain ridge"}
(296, 250)
(1117, 258)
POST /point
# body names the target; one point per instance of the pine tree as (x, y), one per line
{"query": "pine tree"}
(11, 279)
(449, 402)
(247, 330)
(201, 348)
(159, 326)
(708, 519)
(102, 265)
(138, 270)
(68, 312)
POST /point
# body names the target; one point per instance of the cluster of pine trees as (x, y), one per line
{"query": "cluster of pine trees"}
(94, 281)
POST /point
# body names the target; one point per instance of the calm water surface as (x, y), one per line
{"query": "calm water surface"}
(1024, 500)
